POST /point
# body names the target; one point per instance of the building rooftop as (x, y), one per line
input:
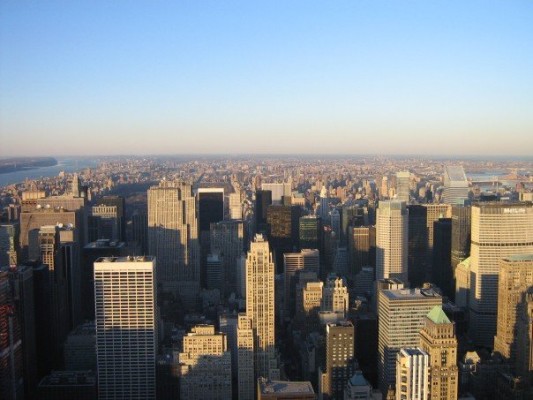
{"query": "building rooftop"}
(105, 243)
(125, 259)
(455, 172)
(69, 378)
(438, 316)
(358, 379)
(285, 387)
(415, 351)
(411, 294)
(85, 329)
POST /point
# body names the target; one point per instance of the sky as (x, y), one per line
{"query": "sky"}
(226, 77)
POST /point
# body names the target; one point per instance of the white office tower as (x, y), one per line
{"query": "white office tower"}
(260, 307)
(323, 206)
(173, 238)
(455, 185)
(245, 358)
(498, 230)
(412, 374)
(401, 315)
(391, 240)
(205, 365)
(402, 186)
(126, 335)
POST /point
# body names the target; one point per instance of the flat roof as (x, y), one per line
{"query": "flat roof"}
(410, 294)
(286, 387)
(125, 259)
(415, 351)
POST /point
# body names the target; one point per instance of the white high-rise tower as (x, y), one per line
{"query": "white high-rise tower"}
(126, 335)
(391, 240)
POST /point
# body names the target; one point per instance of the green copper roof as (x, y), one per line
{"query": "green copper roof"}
(438, 316)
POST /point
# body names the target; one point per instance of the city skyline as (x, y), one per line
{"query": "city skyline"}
(352, 77)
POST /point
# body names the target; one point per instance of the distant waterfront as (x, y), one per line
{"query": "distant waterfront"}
(64, 164)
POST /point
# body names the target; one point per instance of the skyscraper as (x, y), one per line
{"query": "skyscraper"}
(22, 296)
(205, 365)
(498, 230)
(282, 230)
(227, 239)
(173, 238)
(214, 273)
(461, 215)
(104, 223)
(418, 245)
(263, 199)
(352, 215)
(310, 232)
(401, 316)
(210, 207)
(442, 272)
(515, 279)
(391, 240)
(455, 185)
(11, 364)
(412, 373)
(339, 366)
(58, 304)
(245, 358)
(9, 238)
(260, 306)
(402, 186)
(36, 215)
(438, 340)
(120, 203)
(278, 190)
(434, 213)
(126, 335)
(361, 248)
(323, 205)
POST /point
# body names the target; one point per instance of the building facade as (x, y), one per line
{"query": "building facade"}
(412, 374)
(205, 365)
(401, 316)
(126, 329)
(438, 340)
(260, 308)
(391, 240)
(498, 230)
(173, 238)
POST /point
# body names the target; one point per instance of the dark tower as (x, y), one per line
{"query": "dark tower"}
(418, 244)
(442, 273)
(263, 199)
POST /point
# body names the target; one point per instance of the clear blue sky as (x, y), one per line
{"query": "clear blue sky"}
(357, 76)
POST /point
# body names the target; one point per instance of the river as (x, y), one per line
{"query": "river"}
(63, 164)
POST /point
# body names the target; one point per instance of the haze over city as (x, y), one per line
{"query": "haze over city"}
(351, 77)
(214, 200)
